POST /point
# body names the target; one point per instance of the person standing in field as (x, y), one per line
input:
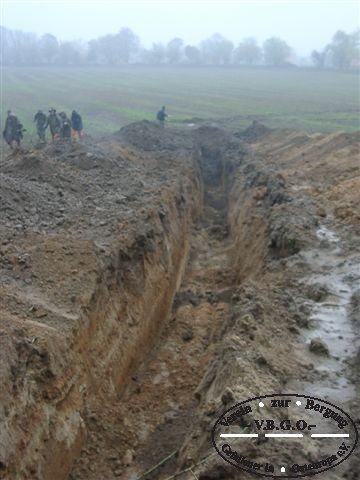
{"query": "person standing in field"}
(161, 115)
(54, 124)
(41, 124)
(65, 128)
(76, 124)
(13, 131)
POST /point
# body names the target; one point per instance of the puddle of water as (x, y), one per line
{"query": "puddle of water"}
(298, 188)
(329, 320)
(324, 233)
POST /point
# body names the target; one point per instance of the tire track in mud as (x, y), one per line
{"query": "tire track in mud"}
(150, 420)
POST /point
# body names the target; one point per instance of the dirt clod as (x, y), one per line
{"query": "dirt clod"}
(318, 347)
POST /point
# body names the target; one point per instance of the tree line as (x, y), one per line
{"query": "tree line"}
(124, 47)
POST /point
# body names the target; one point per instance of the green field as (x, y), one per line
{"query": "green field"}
(108, 98)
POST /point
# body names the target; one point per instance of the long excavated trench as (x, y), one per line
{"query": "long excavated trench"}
(150, 419)
(202, 308)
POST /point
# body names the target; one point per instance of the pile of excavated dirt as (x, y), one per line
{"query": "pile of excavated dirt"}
(150, 136)
(325, 166)
(151, 280)
(254, 132)
(80, 229)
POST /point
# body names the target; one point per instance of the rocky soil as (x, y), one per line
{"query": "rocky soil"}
(154, 278)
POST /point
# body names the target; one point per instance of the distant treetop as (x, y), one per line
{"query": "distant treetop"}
(124, 47)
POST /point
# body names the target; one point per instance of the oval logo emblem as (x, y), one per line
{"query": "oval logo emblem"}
(284, 435)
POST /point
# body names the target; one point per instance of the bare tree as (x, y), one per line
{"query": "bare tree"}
(69, 53)
(344, 49)
(49, 48)
(156, 55)
(276, 51)
(193, 54)
(248, 52)
(125, 44)
(92, 55)
(319, 58)
(105, 52)
(113, 49)
(174, 50)
(19, 48)
(217, 50)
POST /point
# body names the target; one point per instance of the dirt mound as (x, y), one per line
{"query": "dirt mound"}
(213, 139)
(324, 165)
(78, 188)
(150, 136)
(255, 132)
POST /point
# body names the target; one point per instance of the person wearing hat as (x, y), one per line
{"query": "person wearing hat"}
(54, 123)
(41, 124)
(13, 131)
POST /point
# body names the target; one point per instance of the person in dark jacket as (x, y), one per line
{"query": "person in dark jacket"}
(161, 115)
(54, 124)
(65, 127)
(13, 130)
(76, 124)
(41, 124)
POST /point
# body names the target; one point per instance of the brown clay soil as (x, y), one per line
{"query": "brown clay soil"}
(156, 277)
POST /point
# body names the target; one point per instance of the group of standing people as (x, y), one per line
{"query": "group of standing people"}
(60, 126)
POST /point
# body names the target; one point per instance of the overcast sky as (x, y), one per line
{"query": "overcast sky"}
(305, 25)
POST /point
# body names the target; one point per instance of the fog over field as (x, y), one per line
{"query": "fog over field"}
(304, 25)
(112, 97)
(286, 63)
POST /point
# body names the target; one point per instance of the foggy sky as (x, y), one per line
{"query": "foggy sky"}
(305, 25)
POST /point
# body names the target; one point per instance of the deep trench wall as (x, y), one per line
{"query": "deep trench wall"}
(230, 173)
(236, 187)
(244, 364)
(248, 230)
(133, 296)
(268, 219)
(249, 213)
(212, 143)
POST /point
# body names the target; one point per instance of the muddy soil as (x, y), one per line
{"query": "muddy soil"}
(150, 280)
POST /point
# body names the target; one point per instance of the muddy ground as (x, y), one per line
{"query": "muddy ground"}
(152, 279)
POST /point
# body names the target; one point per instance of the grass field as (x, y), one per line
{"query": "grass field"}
(108, 98)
